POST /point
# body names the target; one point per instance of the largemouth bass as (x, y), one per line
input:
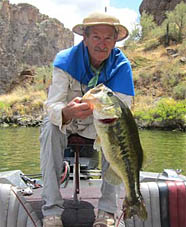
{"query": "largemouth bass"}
(119, 140)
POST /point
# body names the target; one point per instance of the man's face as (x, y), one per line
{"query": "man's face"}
(100, 41)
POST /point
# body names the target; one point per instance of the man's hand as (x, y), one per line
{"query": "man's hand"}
(76, 110)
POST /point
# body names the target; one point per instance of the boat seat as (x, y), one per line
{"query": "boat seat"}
(76, 142)
(165, 203)
(15, 211)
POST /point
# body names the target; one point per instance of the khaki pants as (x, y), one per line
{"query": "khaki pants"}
(52, 144)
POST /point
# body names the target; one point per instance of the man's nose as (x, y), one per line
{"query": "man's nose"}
(102, 44)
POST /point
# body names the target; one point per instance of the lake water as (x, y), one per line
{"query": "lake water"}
(19, 149)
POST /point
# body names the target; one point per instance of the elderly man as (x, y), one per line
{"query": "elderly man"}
(94, 60)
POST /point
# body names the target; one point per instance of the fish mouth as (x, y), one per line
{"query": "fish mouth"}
(108, 120)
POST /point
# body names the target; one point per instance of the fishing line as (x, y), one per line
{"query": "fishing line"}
(119, 219)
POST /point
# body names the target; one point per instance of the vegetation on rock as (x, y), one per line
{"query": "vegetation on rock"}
(158, 58)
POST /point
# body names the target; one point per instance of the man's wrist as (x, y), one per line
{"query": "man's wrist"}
(65, 119)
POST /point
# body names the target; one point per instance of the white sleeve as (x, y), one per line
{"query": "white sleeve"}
(57, 96)
(125, 98)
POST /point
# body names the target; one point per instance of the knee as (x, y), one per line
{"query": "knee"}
(50, 131)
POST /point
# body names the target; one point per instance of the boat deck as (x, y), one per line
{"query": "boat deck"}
(77, 213)
(164, 196)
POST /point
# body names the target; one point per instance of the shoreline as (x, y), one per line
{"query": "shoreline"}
(36, 121)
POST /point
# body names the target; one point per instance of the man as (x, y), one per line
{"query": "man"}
(93, 61)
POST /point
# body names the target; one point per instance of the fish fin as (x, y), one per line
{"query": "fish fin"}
(111, 177)
(97, 144)
(138, 209)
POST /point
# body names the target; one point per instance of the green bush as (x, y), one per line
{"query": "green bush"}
(4, 107)
(148, 25)
(43, 77)
(179, 92)
(170, 75)
(176, 20)
(167, 109)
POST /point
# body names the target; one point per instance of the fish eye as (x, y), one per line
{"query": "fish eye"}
(109, 93)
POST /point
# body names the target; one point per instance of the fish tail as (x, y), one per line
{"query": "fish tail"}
(138, 209)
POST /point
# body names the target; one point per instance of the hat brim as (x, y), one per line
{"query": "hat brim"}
(122, 30)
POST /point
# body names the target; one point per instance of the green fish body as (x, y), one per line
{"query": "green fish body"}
(119, 140)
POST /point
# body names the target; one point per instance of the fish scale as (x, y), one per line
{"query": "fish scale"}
(119, 140)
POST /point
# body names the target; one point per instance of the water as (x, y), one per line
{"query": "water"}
(163, 149)
(19, 149)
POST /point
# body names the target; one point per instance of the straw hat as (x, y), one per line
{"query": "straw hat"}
(98, 18)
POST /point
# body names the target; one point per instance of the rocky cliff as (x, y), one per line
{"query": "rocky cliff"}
(157, 8)
(27, 37)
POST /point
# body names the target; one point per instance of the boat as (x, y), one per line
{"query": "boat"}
(20, 200)
(20, 195)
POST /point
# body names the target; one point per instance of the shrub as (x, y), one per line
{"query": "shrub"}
(176, 20)
(179, 92)
(166, 110)
(152, 44)
(170, 75)
(43, 77)
(182, 48)
(148, 25)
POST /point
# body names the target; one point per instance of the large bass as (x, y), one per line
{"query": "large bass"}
(119, 140)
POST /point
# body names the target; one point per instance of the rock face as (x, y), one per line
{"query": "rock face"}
(157, 8)
(27, 38)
